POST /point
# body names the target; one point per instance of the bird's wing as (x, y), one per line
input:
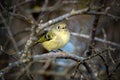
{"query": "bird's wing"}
(46, 36)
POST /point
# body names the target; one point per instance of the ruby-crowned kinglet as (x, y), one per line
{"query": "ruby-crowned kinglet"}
(55, 38)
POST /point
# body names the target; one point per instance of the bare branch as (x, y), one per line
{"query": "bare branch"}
(103, 13)
(65, 16)
(52, 55)
(45, 56)
(58, 55)
(96, 39)
(9, 32)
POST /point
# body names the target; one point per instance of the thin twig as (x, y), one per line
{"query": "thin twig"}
(103, 13)
(20, 4)
(114, 70)
(9, 32)
(96, 39)
(106, 66)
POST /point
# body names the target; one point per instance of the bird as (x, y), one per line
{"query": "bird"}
(57, 37)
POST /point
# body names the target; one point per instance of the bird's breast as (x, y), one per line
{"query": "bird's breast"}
(64, 38)
(58, 41)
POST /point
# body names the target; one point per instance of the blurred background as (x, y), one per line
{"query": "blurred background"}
(16, 17)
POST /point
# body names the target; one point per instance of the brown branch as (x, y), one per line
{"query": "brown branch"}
(52, 55)
(46, 56)
(9, 32)
(9, 67)
(65, 16)
(93, 31)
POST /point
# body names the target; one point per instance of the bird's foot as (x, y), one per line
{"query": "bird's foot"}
(59, 50)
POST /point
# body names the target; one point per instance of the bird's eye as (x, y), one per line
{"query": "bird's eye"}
(58, 27)
(64, 27)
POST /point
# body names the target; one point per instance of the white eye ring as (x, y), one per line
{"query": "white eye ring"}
(58, 27)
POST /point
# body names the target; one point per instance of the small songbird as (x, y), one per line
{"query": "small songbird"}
(57, 37)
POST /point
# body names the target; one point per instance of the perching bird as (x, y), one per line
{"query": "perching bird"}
(55, 38)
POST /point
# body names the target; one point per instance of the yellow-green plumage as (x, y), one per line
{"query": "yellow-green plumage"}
(56, 38)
